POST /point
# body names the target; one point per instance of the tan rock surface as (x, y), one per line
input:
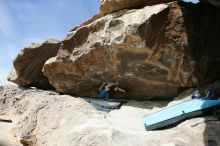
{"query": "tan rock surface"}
(143, 49)
(109, 6)
(29, 62)
(6, 135)
(46, 118)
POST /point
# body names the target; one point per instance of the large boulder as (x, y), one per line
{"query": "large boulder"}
(153, 52)
(44, 118)
(143, 49)
(109, 6)
(29, 62)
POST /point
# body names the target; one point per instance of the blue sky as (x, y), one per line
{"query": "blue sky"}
(25, 21)
(192, 1)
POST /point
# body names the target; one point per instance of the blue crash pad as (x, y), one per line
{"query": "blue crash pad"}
(178, 112)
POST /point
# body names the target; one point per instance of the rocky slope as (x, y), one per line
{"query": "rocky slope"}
(43, 118)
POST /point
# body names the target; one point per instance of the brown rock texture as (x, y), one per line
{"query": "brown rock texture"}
(143, 49)
(29, 63)
(109, 6)
(153, 52)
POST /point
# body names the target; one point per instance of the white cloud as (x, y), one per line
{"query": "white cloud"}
(6, 25)
(192, 1)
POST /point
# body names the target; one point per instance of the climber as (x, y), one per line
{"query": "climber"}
(107, 90)
(196, 94)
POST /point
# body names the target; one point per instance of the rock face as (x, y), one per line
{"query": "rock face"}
(44, 118)
(29, 63)
(144, 49)
(109, 6)
(152, 51)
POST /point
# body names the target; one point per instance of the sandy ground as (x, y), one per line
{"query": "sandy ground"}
(6, 137)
